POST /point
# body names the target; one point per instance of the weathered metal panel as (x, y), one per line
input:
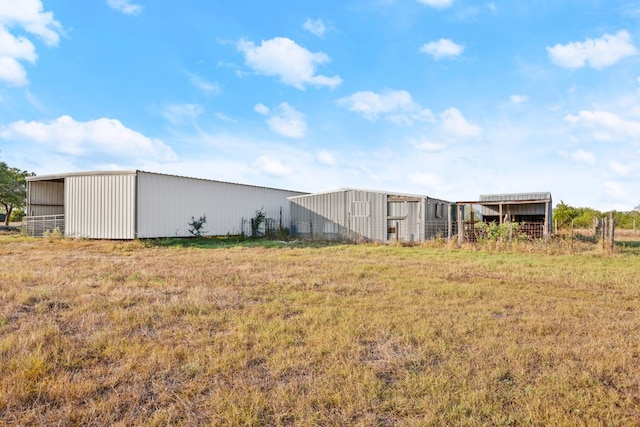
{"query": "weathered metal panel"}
(100, 206)
(363, 215)
(520, 209)
(45, 198)
(167, 204)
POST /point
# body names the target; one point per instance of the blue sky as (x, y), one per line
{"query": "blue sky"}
(448, 98)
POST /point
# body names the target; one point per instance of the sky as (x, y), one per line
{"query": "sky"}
(445, 98)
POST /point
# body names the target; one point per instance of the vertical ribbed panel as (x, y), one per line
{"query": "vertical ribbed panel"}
(45, 198)
(100, 206)
(167, 203)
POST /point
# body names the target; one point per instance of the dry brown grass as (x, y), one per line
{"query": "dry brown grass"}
(124, 333)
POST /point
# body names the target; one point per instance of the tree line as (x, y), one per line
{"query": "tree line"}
(564, 215)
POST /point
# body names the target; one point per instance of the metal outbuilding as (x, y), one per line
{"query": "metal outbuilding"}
(136, 204)
(365, 215)
(532, 210)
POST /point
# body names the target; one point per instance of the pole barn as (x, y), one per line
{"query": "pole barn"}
(136, 204)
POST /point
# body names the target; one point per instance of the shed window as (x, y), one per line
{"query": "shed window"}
(303, 227)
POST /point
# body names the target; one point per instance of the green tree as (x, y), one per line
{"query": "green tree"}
(564, 214)
(13, 189)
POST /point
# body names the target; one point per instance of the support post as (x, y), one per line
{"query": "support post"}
(545, 232)
(450, 226)
(460, 224)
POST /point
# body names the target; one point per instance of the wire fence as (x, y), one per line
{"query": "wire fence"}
(36, 226)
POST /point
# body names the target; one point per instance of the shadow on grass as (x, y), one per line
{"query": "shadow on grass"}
(239, 241)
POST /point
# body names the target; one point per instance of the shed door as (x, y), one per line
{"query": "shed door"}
(403, 221)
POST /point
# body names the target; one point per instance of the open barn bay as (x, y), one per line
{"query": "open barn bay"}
(135, 333)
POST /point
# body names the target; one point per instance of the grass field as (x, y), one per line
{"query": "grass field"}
(211, 332)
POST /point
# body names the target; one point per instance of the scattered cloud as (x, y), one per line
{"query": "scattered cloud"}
(272, 167)
(605, 125)
(622, 169)
(315, 27)
(205, 86)
(292, 64)
(30, 17)
(285, 120)
(442, 49)
(12, 72)
(455, 125)
(326, 158)
(88, 139)
(438, 4)
(597, 53)
(584, 157)
(125, 6)
(396, 105)
(427, 146)
(181, 114)
(261, 109)
(518, 99)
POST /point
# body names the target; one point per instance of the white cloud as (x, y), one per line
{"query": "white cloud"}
(443, 48)
(396, 105)
(91, 138)
(597, 53)
(603, 124)
(326, 158)
(206, 86)
(427, 146)
(12, 72)
(455, 125)
(180, 114)
(292, 64)
(272, 167)
(287, 121)
(582, 156)
(518, 99)
(261, 109)
(125, 6)
(315, 27)
(28, 15)
(622, 169)
(438, 4)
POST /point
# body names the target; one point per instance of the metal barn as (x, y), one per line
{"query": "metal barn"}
(532, 210)
(364, 215)
(137, 204)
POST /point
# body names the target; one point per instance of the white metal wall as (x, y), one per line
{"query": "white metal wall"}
(100, 206)
(167, 203)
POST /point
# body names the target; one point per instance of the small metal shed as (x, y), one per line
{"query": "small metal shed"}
(366, 215)
(533, 210)
(137, 204)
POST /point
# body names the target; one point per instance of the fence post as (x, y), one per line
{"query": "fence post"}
(612, 229)
(571, 241)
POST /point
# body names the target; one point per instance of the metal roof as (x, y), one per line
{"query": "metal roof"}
(61, 176)
(389, 193)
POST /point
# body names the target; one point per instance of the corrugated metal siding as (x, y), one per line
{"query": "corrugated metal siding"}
(358, 215)
(45, 198)
(166, 205)
(528, 209)
(100, 206)
(320, 215)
